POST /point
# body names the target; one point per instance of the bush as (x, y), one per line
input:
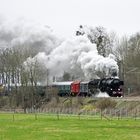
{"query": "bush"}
(105, 103)
(88, 107)
(4, 101)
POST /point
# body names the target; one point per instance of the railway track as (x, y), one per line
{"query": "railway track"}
(136, 98)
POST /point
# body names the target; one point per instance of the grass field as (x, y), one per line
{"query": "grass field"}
(49, 127)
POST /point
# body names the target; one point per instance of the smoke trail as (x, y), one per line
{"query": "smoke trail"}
(75, 55)
(80, 58)
(27, 34)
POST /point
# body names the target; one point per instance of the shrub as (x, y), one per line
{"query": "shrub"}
(88, 107)
(105, 103)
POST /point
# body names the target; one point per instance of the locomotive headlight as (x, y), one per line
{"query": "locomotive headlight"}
(111, 89)
(119, 89)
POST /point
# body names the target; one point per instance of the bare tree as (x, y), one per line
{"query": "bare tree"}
(99, 36)
(128, 54)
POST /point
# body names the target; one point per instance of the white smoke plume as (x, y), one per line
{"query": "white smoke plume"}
(79, 57)
(28, 34)
(76, 55)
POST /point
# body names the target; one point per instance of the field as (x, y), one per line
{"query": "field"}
(53, 127)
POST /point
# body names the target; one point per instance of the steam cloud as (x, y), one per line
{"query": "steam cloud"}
(75, 55)
(27, 34)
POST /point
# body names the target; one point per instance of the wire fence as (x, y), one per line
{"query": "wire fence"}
(107, 114)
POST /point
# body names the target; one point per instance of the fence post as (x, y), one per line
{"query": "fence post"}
(13, 116)
(127, 113)
(79, 116)
(101, 114)
(57, 115)
(115, 113)
(135, 114)
(118, 114)
(121, 114)
(110, 113)
(35, 113)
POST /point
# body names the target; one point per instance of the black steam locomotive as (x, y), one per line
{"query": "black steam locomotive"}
(112, 86)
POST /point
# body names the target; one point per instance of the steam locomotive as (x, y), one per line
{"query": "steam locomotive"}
(112, 86)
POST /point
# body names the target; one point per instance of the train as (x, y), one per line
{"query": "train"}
(112, 86)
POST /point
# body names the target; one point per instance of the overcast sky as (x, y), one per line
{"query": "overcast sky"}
(64, 16)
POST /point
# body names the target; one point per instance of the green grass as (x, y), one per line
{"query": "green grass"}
(49, 127)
